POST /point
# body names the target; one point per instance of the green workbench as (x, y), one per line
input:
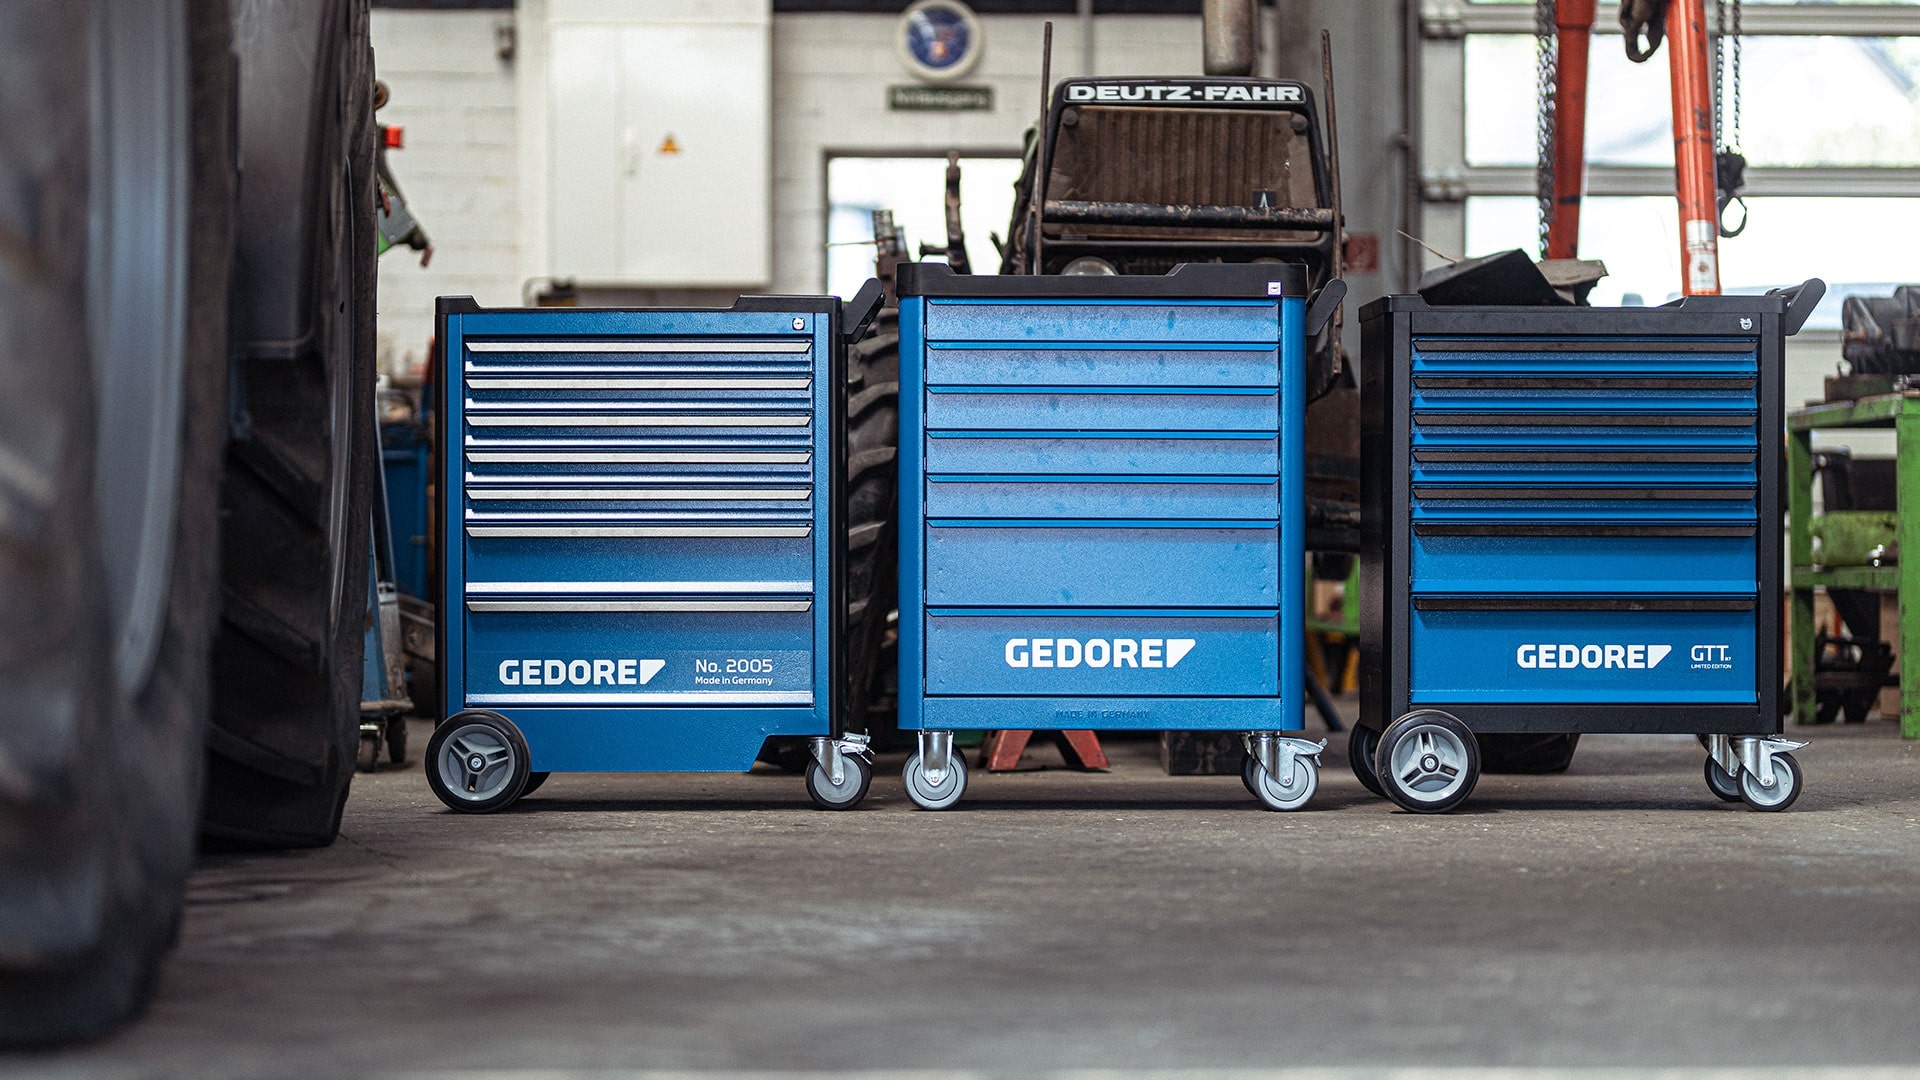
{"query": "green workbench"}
(1901, 412)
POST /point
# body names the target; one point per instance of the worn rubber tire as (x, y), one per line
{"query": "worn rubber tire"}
(295, 504)
(1526, 755)
(873, 440)
(102, 772)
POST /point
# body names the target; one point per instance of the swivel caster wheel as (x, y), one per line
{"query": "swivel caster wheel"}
(1362, 746)
(1290, 793)
(856, 775)
(931, 796)
(1721, 784)
(1776, 796)
(1427, 762)
(477, 762)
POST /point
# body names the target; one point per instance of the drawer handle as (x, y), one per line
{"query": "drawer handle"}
(1573, 419)
(634, 457)
(769, 532)
(1666, 347)
(1582, 603)
(483, 383)
(1492, 529)
(1596, 494)
(637, 494)
(634, 420)
(1583, 382)
(567, 607)
(796, 345)
(1588, 457)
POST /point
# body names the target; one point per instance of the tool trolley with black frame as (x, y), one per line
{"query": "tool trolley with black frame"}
(1571, 524)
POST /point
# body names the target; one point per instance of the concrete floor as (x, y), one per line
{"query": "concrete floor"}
(1615, 916)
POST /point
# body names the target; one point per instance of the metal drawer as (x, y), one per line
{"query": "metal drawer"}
(548, 551)
(1103, 652)
(1136, 410)
(1170, 364)
(1251, 321)
(1251, 454)
(1623, 559)
(639, 649)
(1051, 564)
(1615, 650)
(1180, 497)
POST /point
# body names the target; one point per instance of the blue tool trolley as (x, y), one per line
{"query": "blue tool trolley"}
(1107, 473)
(641, 516)
(1570, 524)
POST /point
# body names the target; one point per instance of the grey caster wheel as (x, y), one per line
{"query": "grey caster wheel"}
(1292, 794)
(1777, 796)
(856, 775)
(930, 796)
(1428, 762)
(477, 762)
(1722, 785)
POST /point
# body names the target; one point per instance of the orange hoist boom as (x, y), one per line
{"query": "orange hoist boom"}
(1685, 23)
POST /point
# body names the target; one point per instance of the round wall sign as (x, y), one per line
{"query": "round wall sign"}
(939, 39)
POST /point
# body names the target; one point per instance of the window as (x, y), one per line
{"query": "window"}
(914, 188)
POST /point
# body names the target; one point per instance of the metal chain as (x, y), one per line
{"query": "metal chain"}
(1734, 142)
(1546, 68)
(1727, 20)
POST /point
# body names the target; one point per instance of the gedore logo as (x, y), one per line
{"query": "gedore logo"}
(1632, 657)
(579, 672)
(1097, 652)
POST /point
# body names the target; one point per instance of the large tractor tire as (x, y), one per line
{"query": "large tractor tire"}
(294, 508)
(873, 439)
(116, 222)
(873, 534)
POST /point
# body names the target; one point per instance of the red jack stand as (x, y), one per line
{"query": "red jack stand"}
(1004, 749)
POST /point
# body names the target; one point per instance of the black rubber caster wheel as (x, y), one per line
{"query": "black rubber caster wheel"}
(368, 758)
(855, 777)
(1777, 796)
(534, 780)
(477, 762)
(1428, 762)
(1293, 793)
(1722, 785)
(929, 796)
(1362, 746)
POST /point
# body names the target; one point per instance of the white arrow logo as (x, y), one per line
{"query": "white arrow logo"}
(1655, 654)
(650, 668)
(1177, 649)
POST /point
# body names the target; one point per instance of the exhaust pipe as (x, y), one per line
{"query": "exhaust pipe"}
(1227, 36)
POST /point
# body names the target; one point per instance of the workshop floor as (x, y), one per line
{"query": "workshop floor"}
(1618, 915)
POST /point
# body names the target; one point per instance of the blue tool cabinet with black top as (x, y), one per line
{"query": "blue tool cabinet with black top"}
(641, 520)
(1571, 523)
(1102, 511)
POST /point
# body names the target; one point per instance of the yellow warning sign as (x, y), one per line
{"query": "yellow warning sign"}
(668, 145)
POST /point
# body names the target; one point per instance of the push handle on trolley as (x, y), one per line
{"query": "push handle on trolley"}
(861, 310)
(1325, 301)
(1801, 300)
